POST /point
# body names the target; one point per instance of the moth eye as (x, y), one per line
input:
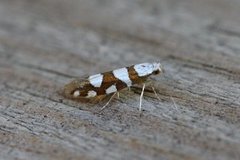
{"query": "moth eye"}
(156, 72)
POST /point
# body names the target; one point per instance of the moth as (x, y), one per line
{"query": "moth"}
(111, 82)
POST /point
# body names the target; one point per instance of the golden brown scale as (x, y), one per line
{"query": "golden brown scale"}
(108, 80)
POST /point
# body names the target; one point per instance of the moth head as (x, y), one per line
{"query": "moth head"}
(157, 68)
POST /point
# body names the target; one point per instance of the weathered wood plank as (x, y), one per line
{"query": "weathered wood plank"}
(43, 44)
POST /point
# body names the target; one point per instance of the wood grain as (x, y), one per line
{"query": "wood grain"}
(45, 44)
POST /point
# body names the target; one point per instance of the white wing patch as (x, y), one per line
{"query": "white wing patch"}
(96, 80)
(76, 93)
(122, 74)
(143, 69)
(111, 89)
(91, 94)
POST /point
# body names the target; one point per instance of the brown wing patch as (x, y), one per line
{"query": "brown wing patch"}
(108, 80)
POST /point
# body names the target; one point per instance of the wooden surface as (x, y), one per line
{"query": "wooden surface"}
(43, 44)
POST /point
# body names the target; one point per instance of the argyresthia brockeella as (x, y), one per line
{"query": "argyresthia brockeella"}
(112, 82)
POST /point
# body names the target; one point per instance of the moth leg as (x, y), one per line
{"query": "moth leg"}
(108, 101)
(150, 84)
(118, 95)
(156, 93)
(97, 99)
(141, 97)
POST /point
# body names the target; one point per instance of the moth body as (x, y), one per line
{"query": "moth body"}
(110, 82)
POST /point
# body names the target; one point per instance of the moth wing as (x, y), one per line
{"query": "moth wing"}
(102, 79)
